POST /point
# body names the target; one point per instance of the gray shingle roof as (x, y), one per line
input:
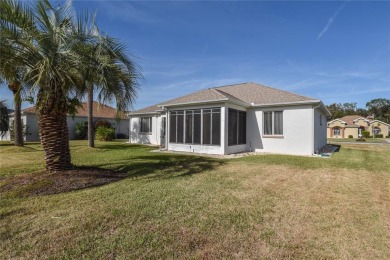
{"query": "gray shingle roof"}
(146, 110)
(243, 93)
(261, 95)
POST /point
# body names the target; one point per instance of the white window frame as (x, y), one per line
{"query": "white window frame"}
(150, 125)
(338, 129)
(273, 124)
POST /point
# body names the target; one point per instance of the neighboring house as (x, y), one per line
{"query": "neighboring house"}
(354, 125)
(232, 119)
(100, 112)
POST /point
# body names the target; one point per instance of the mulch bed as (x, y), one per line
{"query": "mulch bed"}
(45, 183)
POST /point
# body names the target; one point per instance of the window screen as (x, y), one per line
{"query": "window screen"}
(268, 123)
(216, 127)
(236, 127)
(180, 127)
(278, 122)
(172, 127)
(241, 127)
(206, 126)
(197, 126)
(189, 126)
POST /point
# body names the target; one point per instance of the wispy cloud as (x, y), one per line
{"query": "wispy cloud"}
(332, 19)
(128, 12)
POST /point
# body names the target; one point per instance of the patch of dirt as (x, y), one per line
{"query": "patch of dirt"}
(46, 183)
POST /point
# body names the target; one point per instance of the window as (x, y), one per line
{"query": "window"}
(190, 125)
(236, 127)
(146, 125)
(273, 123)
(377, 130)
(336, 131)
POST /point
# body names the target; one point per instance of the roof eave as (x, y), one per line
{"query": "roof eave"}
(145, 113)
(194, 103)
(376, 120)
(295, 103)
(207, 102)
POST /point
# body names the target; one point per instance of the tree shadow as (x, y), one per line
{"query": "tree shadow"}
(164, 166)
(47, 183)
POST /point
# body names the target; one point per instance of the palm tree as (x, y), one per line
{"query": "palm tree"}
(12, 72)
(54, 68)
(110, 71)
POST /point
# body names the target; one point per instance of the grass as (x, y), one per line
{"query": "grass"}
(179, 206)
(353, 140)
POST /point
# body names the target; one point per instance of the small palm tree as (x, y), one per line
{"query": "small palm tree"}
(12, 72)
(108, 70)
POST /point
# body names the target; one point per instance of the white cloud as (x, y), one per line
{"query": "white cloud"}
(331, 20)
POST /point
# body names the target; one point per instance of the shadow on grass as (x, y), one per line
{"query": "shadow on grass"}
(45, 183)
(164, 166)
(153, 166)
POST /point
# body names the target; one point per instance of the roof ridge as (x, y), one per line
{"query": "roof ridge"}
(229, 85)
(229, 95)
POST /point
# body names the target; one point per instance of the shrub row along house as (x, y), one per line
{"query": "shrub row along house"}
(100, 112)
(354, 126)
(232, 119)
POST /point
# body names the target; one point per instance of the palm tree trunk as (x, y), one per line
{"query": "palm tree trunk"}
(53, 131)
(18, 128)
(91, 137)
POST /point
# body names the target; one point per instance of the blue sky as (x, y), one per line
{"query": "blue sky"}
(337, 51)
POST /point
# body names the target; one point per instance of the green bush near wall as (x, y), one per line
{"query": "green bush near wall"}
(104, 133)
(366, 134)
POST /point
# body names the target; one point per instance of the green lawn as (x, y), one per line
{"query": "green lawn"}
(180, 206)
(368, 140)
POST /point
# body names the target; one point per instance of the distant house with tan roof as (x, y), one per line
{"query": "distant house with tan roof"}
(354, 125)
(100, 112)
(231, 119)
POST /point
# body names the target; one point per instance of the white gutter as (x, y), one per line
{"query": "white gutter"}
(315, 101)
(207, 101)
(145, 113)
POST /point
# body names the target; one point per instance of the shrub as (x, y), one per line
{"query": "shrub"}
(365, 134)
(379, 136)
(25, 131)
(99, 123)
(81, 130)
(104, 133)
(361, 140)
(350, 136)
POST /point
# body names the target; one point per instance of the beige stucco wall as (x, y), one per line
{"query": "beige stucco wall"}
(333, 125)
(361, 122)
(384, 128)
(351, 131)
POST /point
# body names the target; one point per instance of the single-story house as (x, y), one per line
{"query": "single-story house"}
(354, 125)
(232, 119)
(100, 112)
